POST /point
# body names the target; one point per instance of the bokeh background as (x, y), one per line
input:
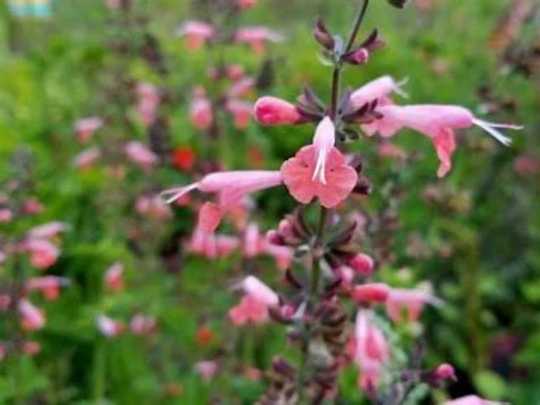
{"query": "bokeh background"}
(474, 236)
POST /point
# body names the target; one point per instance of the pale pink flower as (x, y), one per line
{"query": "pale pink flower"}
(49, 230)
(252, 242)
(254, 305)
(201, 114)
(148, 93)
(283, 255)
(108, 326)
(241, 111)
(472, 400)
(371, 350)
(6, 215)
(235, 72)
(206, 369)
(114, 278)
(142, 325)
(153, 207)
(43, 254)
(378, 90)
(391, 150)
(85, 159)
(139, 154)
(196, 34)
(411, 300)
(33, 318)
(31, 348)
(274, 111)
(446, 371)
(86, 127)
(241, 87)
(257, 37)
(49, 286)
(320, 170)
(32, 206)
(438, 122)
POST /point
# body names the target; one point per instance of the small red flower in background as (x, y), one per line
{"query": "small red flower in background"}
(204, 336)
(183, 158)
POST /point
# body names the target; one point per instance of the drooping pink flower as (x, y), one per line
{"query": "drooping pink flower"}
(371, 351)
(438, 122)
(139, 154)
(196, 34)
(201, 113)
(86, 127)
(49, 230)
(411, 300)
(142, 325)
(254, 305)
(320, 170)
(153, 207)
(109, 327)
(257, 37)
(472, 400)
(114, 278)
(206, 369)
(241, 87)
(85, 159)
(33, 318)
(43, 254)
(377, 90)
(241, 111)
(49, 286)
(274, 111)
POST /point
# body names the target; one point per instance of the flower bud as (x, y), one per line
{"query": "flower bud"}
(274, 111)
(322, 36)
(371, 293)
(362, 264)
(358, 57)
(446, 372)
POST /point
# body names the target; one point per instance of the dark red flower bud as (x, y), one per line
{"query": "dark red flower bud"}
(322, 35)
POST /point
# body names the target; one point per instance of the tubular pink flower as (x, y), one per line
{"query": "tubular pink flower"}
(196, 34)
(241, 111)
(201, 113)
(379, 89)
(49, 286)
(411, 300)
(32, 318)
(274, 111)
(362, 264)
(437, 122)
(371, 293)
(49, 230)
(255, 304)
(43, 254)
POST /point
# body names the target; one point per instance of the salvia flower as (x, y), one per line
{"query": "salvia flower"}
(257, 37)
(196, 34)
(85, 128)
(201, 113)
(241, 111)
(108, 326)
(49, 286)
(43, 253)
(254, 305)
(86, 159)
(275, 111)
(378, 90)
(413, 301)
(114, 278)
(472, 400)
(139, 154)
(142, 325)
(33, 318)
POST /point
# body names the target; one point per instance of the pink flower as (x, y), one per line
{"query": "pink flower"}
(6, 215)
(252, 241)
(362, 264)
(371, 293)
(49, 230)
(206, 369)
(245, 4)
(109, 327)
(86, 127)
(32, 206)
(196, 34)
(283, 255)
(201, 114)
(142, 325)
(254, 305)
(114, 280)
(446, 371)
(377, 90)
(43, 254)
(85, 159)
(241, 87)
(256, 37)
(241, 111)
(320, 170)
(472, 400)
(31, 348)
(49, 286)
(5, 302)
(32, 318)
(147, 93)
(438, 122)
(139, 154)
(371, 351)
(274, 111)
(411, 300)
(153, 207)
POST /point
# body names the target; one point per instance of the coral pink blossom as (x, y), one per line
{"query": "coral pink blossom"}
(472, 400)
(254, 305)
(371, 293)
(411, 300)
(86, 127)
(32, 318)
(201, 113)
(371, 351)
(283, 255)
(142, 325)
(256, 37)
(206, 369)
(43, 254)
(274, 111)
(241, 87)
(320, 170)
(108, 326)
(362, 264)
(114, 278)
(49, 230)
(241, 111)
(196, 34)
(86, 159)
(49, 286)
(438, 122)
(446, 371)
(377, 90)
(139, 154)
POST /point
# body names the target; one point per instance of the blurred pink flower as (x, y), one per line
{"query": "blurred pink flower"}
(241, 111)
(49, 286)
(362, 264)
(257, 37)
(139, 154)
(152, 206)
(206, 369)
(109, 327)
(5, 302)
(148, 103)
(472, 400)
(49, 230)
(43, 254)
(86, 127)
(3, 352)
(114, 278)
(6, 215)
(85, 159)
(201, 114)
(254, 305)
(32, 318)
(378, 90)
(527, 165)
(235, 72)
(31, 348)
(411, 300)
(245, 4)
(196, 34)
(241, 87)
(371, 293)
(274, 111)
(32, 206)
(142, 325)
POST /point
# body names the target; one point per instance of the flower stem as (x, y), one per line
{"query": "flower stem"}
(356, 25)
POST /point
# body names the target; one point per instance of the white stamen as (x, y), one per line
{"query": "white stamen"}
(499, 136)
(175, 193)
(320, 167)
